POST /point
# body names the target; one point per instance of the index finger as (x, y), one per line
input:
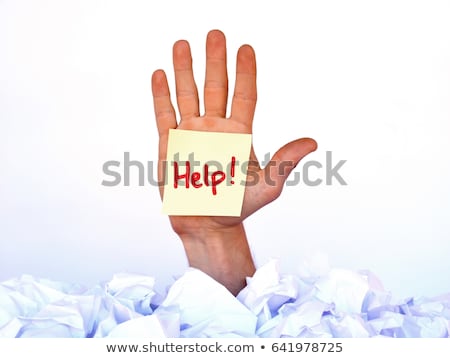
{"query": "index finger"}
(244, 98)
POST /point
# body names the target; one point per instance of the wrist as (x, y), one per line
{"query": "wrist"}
(222, 253)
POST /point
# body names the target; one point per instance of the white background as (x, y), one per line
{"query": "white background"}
(368, 80)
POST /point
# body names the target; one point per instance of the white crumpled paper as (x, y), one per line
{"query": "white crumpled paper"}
(317, 302)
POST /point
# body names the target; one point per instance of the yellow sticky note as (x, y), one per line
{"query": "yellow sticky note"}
(205, 173)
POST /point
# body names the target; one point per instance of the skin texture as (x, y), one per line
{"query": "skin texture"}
(218, 245)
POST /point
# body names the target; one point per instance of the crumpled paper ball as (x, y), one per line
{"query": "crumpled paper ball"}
(317, 302)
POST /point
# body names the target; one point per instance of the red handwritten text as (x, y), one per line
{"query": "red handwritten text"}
(198, 179)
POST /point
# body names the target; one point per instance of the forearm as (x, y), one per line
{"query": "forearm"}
(222, 254)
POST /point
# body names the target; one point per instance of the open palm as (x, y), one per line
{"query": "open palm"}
(262, 191)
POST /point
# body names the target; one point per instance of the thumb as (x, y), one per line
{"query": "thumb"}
(282, 163)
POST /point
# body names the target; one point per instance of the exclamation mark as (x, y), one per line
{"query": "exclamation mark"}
(233, 163)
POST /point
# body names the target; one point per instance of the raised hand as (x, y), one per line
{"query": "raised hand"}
(218, 245)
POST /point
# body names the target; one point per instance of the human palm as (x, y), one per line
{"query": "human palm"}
(261, 191)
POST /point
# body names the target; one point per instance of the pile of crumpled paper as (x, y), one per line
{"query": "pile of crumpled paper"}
(334, 303)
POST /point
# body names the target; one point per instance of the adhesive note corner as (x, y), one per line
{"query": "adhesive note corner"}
(205, 173)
